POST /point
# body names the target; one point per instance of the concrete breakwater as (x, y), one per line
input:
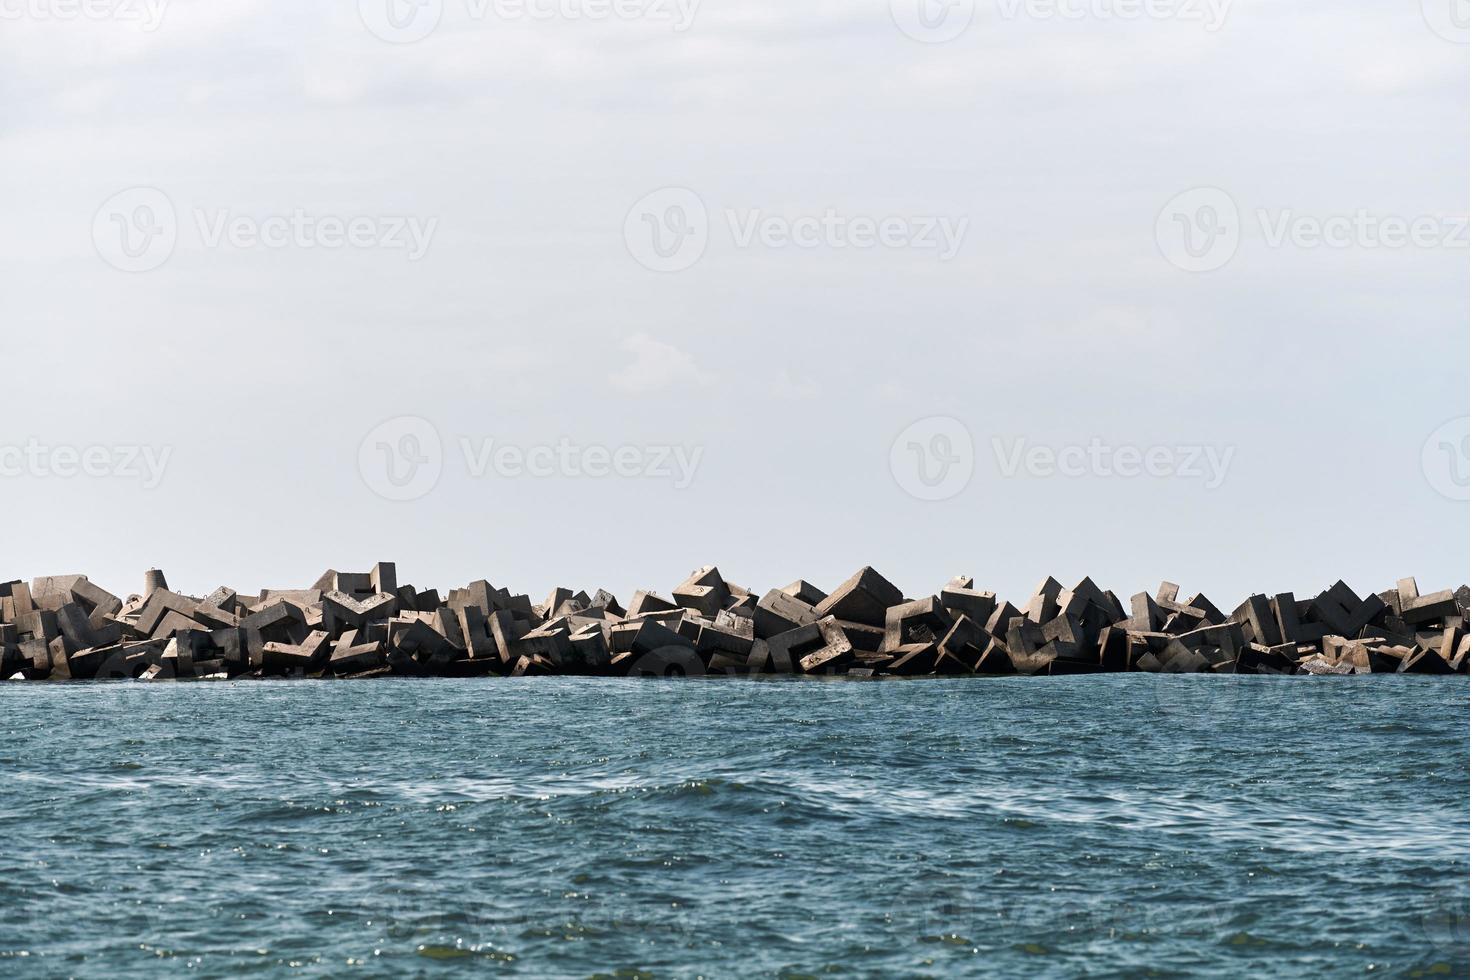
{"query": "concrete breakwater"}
(364, 624)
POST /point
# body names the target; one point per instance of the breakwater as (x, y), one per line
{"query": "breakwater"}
(365, 624)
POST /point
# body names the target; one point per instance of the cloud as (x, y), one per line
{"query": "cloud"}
(656, 366)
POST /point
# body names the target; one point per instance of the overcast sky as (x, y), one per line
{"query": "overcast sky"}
(811, 285)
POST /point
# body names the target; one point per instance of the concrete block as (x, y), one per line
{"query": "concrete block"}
(920, 621)
(341, 611)
(588, 652)
(153, 581)
(1262, 619)
(704, 591)
(913, 659)
(1288, 622)
(1424, 662)
(863, 598)
(787, 649)
(1408, 592)
(1000, 620)
(647, 602)
(383, 577)
(297, 660)
(805, 591)
(965, 642)
(1043, 605)
(1430, 608)
(1147, 616)
(978, 606)
(834, 656)
(778, 612)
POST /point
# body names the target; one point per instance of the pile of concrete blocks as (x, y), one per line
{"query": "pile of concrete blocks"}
(355, 625)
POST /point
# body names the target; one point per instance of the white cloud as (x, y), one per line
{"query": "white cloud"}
(656, 366)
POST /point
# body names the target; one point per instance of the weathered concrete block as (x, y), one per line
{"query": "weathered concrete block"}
(297, 659)
(805, 591)
(704, 591)
(1424, 662)
(1147, 616)
(965, 642)
(787, 649)
(778, 612)
(1430, 608)
(341, 611)
(920, 621)
(978, 606)
(913, 659)
(647, 602)
(864, 598)
(1043, 605)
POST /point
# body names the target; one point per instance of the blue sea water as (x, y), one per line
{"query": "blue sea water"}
(1121, 825)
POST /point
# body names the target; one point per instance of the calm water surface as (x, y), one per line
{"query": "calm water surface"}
(1119, 826)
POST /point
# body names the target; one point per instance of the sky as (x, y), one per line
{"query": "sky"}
(595, 292)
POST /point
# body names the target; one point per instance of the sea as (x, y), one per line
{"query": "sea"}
(1108, 826)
